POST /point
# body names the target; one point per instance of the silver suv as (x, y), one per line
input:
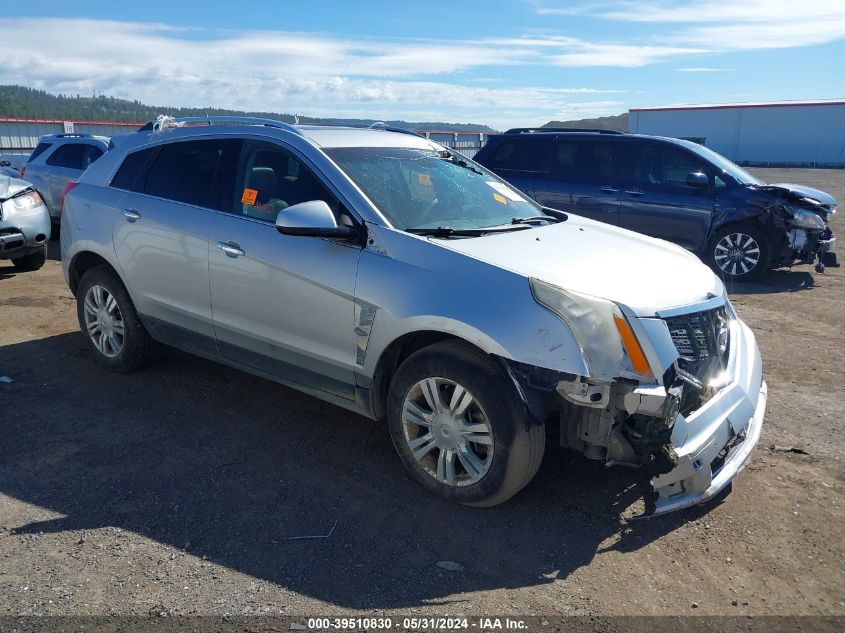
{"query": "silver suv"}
(383, 273)
(57, 160)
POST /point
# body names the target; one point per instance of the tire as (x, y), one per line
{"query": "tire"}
(131, 347)
(490, 461)
(739, 252)
(31, 262)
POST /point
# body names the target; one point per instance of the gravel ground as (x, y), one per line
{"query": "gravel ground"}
(173, 490)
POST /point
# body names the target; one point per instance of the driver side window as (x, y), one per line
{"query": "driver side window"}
(270, 179)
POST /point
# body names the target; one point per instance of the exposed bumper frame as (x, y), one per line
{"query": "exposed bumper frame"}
(732, 419)
(735, 462)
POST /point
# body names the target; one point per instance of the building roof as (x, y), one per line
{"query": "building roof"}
(757, 104)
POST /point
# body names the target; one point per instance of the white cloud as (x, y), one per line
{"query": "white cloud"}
(729, 25)
(290, 72)
(754, 11)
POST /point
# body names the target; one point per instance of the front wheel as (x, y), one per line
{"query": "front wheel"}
(31, 262)
(739, 252)
(459, 427)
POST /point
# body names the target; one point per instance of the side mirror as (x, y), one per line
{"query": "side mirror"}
(313, 218)
(698, 180)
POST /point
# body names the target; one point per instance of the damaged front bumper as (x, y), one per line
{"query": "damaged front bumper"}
(714, 442)
(805, 246)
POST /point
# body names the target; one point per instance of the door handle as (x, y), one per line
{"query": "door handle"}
(635, 192)
(232, 249)
(609, 189)
(131, 215)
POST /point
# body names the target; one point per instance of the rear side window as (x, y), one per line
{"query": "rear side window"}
(130, 176)
(521, 154)
(189, 172)
(584, 161)
(69, 155)
(39, 149)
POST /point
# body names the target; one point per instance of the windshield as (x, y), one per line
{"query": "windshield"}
(422, 188)
(731, 169)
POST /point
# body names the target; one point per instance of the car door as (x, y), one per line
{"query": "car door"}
(161, 235)
(520, 159)
(657, 200)
(283, 304)
(585, 178)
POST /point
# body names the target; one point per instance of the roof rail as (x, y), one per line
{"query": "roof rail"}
(221, 120)
(381, 125)
(70, 135)
(531, 130)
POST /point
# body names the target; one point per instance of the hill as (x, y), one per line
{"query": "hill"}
(25, 103)
(618, 123)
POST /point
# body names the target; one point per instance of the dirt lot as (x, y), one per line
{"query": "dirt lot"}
(173, 490)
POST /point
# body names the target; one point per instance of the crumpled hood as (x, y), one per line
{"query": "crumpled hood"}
(12, 186)
(801, 191)
(643, 273)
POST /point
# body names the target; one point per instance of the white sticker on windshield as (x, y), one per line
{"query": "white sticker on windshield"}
(506, 191)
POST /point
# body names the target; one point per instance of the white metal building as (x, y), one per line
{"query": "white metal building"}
(791, 133)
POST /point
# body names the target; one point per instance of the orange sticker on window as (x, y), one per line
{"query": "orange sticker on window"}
(424, 179)
(499, 198)
(249, 196)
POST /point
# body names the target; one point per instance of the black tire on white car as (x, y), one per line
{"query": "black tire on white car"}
(460, 428)
(31, 262)
(109, 322)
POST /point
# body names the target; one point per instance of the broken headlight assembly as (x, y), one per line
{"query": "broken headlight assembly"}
(805, 219)
(607, 342)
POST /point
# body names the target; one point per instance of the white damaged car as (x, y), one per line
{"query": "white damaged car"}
(386, 274)
(24, 224)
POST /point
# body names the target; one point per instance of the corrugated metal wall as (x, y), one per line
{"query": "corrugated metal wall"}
(788, 135)
(22, 136)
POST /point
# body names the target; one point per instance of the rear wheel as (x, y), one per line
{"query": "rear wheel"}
(31, 262)
(109, 323)
(739, 252)
(459, 428)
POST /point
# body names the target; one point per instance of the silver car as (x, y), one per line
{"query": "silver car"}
(24, 224)
(385, 274)
(60, 159)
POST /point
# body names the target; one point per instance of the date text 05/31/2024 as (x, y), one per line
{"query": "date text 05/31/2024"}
(418, 624)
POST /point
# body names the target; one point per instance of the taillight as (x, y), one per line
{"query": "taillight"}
(68, 187)
(23, 171)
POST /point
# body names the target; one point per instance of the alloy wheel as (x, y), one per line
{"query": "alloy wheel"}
(103, 321)
(737, 254)
(447, 431)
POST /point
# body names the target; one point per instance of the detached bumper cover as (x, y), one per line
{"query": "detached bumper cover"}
(715, 442)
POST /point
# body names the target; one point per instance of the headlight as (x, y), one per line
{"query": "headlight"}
(27, 201)
(804, 219)
(607, 341)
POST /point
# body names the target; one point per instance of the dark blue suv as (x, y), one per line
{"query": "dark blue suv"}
(669, 188)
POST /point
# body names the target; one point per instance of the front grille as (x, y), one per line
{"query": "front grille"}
(701, 339)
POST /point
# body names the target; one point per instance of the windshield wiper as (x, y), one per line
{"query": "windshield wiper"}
(447, 231)
(534, 219)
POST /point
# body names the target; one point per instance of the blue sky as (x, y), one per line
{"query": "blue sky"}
(521, 62)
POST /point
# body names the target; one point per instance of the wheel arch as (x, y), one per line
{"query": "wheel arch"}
(84, 261)
(395, 353)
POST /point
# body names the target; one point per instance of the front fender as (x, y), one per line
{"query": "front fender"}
(412, 284)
